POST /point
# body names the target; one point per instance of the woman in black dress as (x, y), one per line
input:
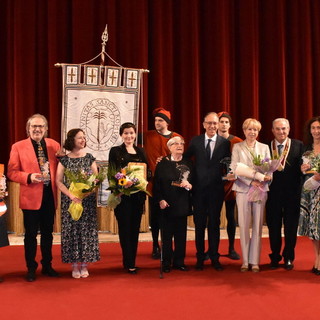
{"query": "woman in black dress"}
(129, 211)
(172, 191)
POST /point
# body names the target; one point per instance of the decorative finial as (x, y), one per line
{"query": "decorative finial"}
(104, 38)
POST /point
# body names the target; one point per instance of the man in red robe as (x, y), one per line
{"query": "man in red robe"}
(229, 196)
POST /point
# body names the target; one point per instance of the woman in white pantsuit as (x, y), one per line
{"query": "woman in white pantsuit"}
(243, 152)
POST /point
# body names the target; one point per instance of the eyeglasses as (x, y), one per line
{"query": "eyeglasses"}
(177, 144)
(35, 126)
(211, 123)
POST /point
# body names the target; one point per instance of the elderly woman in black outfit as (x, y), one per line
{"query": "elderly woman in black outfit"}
(172, 191)
(129, 211)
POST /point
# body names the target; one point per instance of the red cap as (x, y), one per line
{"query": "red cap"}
(162, 113)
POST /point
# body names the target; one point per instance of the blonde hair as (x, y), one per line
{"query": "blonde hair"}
(251, 122)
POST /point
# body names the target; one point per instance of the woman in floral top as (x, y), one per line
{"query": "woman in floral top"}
(309, 223)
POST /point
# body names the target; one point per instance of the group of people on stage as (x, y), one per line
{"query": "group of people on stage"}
(183, 181)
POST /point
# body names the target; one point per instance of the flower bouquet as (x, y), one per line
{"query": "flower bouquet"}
(314, 160)
(262, 168)
(125, 181)
(82, 183)
(265, 166)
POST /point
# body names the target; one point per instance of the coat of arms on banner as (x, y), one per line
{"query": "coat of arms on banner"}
(98, 99)
(99, 105)
(95, 100)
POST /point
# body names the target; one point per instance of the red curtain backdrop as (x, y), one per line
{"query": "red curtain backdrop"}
(251, 58)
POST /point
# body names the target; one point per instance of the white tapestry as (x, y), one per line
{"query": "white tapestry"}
(98, 99)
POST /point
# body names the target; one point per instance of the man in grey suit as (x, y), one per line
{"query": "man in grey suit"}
(283, 204)
(208, 150)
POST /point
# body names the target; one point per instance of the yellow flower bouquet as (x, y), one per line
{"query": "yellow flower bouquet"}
(125, 181)
(82, 183)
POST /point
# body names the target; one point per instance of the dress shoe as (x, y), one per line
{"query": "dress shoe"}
(217, 265)
(199, 265)
(233, 255)
(50, 272)
(274, 265)
(31, 276)
(244, 268)
(181, 268)
(314, 270)
(317, 272)
(288, 265)
(156, 253)
(132, 271)
(206, 256)
(166, 269)
(255, 268)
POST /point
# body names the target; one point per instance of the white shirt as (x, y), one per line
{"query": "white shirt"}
(212, 144)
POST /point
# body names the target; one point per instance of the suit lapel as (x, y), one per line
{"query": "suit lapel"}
(30, 155)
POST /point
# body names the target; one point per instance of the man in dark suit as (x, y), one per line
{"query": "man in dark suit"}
(283, 204)
(208, 150)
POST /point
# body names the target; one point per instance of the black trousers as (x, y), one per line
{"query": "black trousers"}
(231, 226)
(43, 220)
(173, 228)
(128, 214)
(282, 210)
(207, 208)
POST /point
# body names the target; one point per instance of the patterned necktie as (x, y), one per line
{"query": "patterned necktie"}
(44, 164)
(208, 149)
(280, 147)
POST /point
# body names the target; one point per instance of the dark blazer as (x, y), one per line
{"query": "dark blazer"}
(287, 183)
(207, 173)
(119, 156)
(178, 198)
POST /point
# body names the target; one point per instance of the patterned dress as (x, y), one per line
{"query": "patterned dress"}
(79, 239)
(309, 222)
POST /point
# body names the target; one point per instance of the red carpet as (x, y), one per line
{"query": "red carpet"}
(110, 293)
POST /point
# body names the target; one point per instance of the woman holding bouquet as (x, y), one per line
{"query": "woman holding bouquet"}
(129, 211)
(79, 238)
(309, 223)
(244, 152)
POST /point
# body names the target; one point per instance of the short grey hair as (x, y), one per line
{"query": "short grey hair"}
(174, 140)
(281, 119)
(37, 115)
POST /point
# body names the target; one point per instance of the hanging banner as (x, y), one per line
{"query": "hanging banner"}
(95, 100)
(98, 99)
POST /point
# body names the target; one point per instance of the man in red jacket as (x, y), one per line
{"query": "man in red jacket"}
(33, 164)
